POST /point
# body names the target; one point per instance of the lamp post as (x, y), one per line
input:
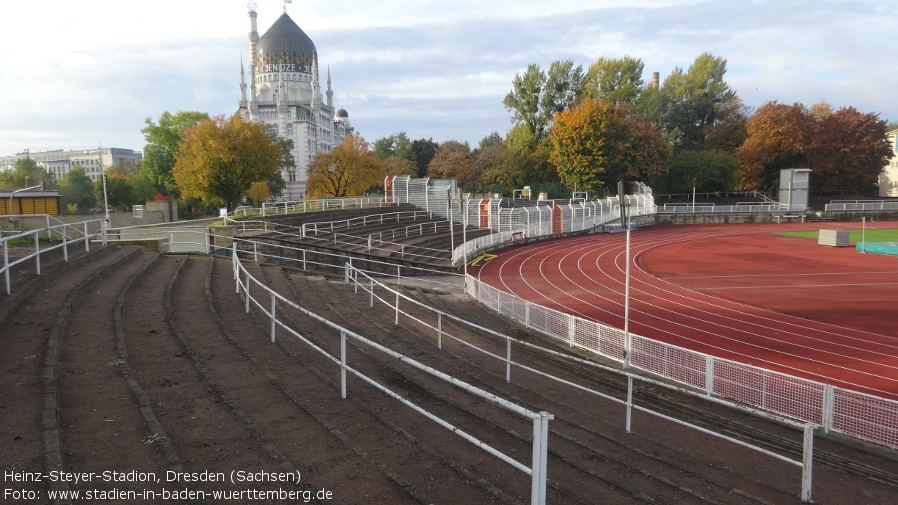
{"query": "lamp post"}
(625, 220)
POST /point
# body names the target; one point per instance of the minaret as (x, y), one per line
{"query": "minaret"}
(242, 85)
(316, 90)
(330, 92)
(253, 33)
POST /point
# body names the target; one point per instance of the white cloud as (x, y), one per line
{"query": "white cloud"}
(81, 74)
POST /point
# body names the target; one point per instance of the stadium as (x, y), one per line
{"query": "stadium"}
(427, 347)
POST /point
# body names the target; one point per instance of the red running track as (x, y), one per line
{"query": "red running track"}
(740, 292)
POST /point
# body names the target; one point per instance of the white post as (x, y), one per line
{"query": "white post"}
(396, 321)
(246, 292)
(627, 341)
(273, 318)
(439, 330)
(508, 360)
(807, 463)
(37, 256)
(6, 268)
(864, 234)
(343, 365)
(629, 401)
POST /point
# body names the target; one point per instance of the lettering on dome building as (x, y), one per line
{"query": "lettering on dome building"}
(286, 67)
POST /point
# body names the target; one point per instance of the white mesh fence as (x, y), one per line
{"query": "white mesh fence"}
(851, 413)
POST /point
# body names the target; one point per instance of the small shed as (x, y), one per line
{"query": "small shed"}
(29, 202)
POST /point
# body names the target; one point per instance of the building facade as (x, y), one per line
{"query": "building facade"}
(283, 89)
(888, 179)
(60, 162)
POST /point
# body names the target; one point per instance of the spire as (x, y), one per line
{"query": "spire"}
(330, 92)
(242, 83)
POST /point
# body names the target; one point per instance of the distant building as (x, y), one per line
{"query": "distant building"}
(60, 162)
(284, 91)
(888, 179)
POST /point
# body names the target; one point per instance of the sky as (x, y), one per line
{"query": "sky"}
(78, 75)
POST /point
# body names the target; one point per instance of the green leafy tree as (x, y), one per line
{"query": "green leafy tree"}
(618, 81)
(119, 192)
(398, 145)
(77, 190)
(394, 165)
(348, 170)
(537, 95)
(423, 151)
(495, 164)
(162, 145)
(706, 171)
(219, 159)
(26, 173)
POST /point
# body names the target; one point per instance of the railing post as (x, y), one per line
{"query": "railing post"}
(65, 245)
(273, 318)
(629, 401)
(807, 463)
(246, 292)
(396, 321)
(371, 300)
(6, 268)
(102, 231)
(37, 250)
(540, 458)
(86, 239)
(255, 252)
(508, 360)
(439, 330)
(343, 365)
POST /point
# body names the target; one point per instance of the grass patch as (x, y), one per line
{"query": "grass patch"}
(854, 236)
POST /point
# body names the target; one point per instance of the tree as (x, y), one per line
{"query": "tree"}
(777, 136)
(276, 182)
(452, 161)
(848, 152)
(162, 144)
(495, 164)
(536, 96)
(26, 173)
(119, 192)
(397, 145)
(219, 159)
(708, 171)
(618, 81)
(258, 192)
(77, 190)
(582, 143)
(728, 131)
(394, 165)
(423, 150)
(349, 169)
(595, 144)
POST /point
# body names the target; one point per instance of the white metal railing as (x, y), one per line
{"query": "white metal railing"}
(841, 410)
(361, 221)
(392, 299)
(67, 233)
(847, 205)
(305, 205)
(711, 208)
(267, 303)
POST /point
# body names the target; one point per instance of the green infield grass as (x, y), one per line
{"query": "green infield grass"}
(855, 236)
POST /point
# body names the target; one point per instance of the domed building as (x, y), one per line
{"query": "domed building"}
(284, 92)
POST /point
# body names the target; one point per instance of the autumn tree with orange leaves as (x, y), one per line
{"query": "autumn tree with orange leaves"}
(845, 149)
(219, 159)
(348, 170)
(596, 144)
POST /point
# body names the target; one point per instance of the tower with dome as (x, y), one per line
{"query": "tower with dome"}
(282, 88)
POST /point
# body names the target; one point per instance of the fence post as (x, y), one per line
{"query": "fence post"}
(65, 245)
(371, 301)
(439, 330)
(396, 322)
(343, 365)
(570, 329)
(807, 462)
(86, 239)
(235, 269)
(629, 401)
(273, 318)
(709, 375)
(102, 231)
(829, 393)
